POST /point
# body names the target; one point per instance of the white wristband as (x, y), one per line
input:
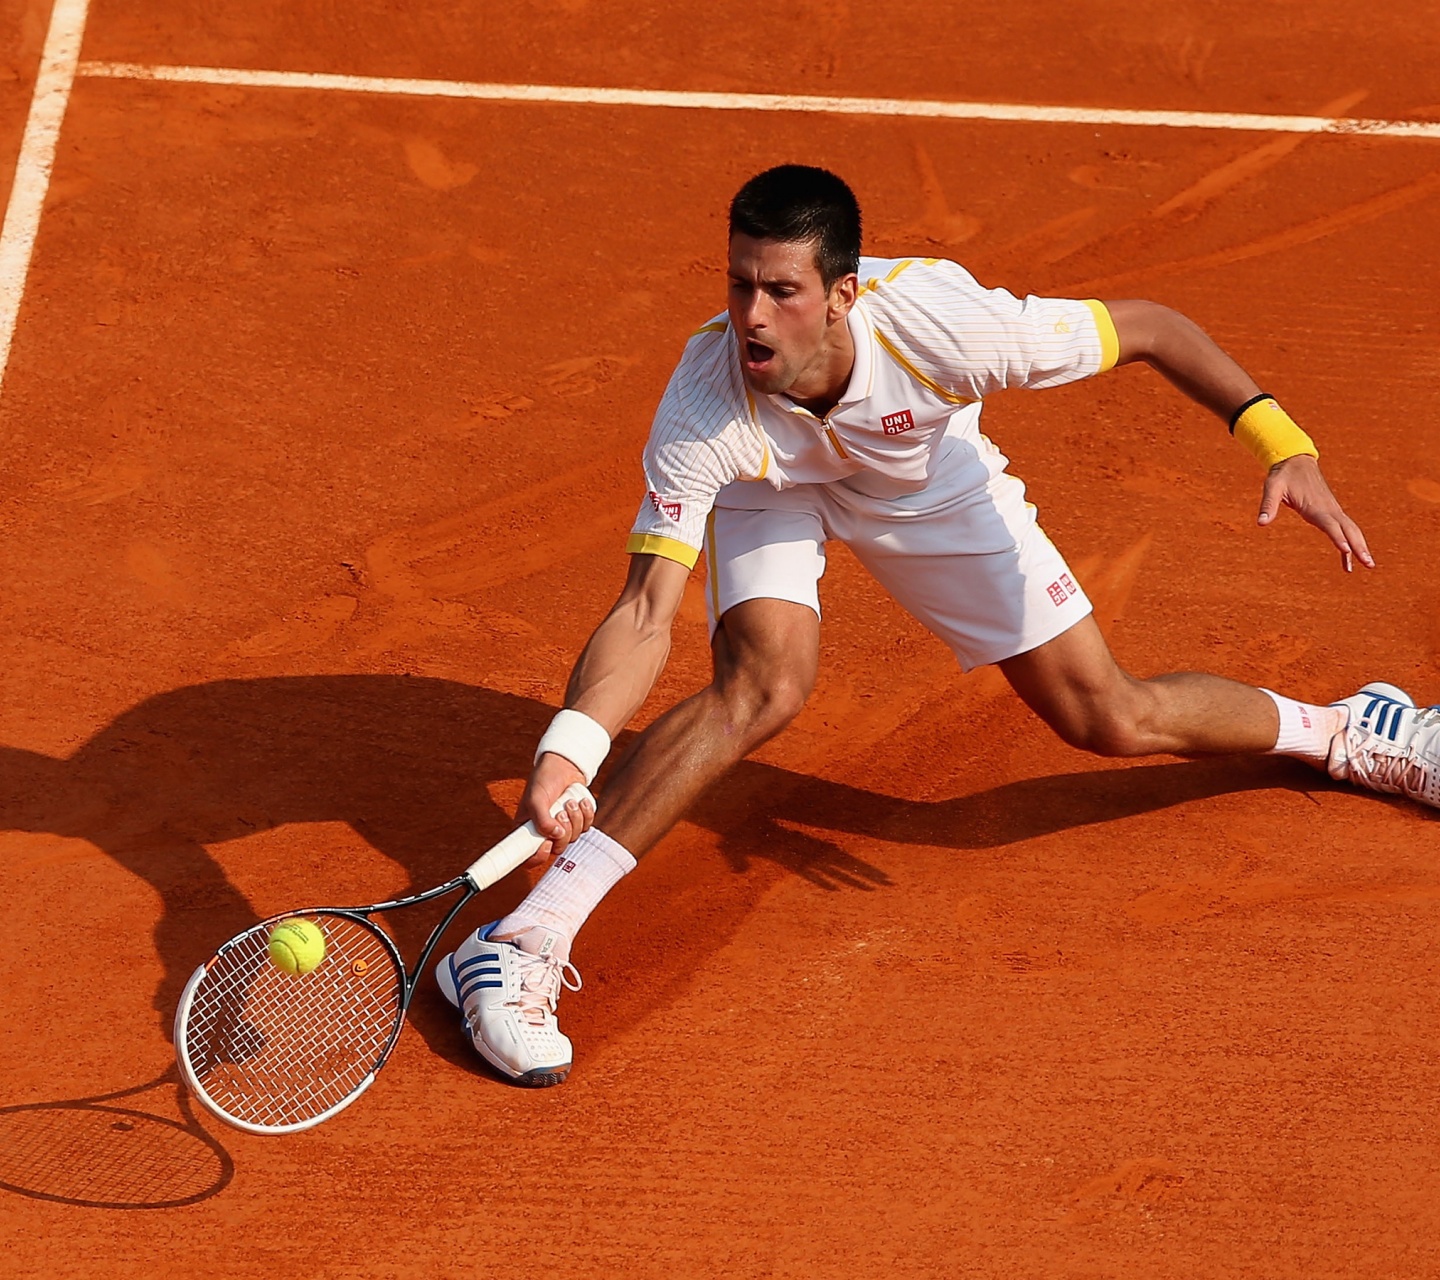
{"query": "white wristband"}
(578, 738)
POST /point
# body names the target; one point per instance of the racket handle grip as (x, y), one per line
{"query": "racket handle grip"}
(520, 845)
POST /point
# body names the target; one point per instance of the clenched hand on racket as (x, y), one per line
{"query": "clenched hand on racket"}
(550, 780)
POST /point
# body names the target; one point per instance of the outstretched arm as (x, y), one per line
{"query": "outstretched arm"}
(613, 677)
(1185, 354)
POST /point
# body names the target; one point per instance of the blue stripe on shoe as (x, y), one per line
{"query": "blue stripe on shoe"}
(476, 984)
(482, 973)
(482, 958)
(1383, 716)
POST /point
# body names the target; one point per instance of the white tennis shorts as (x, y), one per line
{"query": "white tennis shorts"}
(976, 569)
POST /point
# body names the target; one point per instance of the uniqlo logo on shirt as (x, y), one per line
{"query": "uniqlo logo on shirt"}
(897, 424)
(671, 510)
(1062, 589)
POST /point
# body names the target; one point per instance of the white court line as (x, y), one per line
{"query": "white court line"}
(582, 95)
(58, 62)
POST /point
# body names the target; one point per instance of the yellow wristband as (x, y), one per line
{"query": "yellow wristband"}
(1270, 433)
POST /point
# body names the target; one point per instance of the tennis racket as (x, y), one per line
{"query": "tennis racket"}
(273, 1052)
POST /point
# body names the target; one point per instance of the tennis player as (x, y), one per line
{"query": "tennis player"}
(839, 397)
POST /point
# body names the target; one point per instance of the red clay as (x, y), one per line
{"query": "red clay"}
(321, 434)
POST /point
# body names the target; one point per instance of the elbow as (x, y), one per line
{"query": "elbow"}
(1144, 329)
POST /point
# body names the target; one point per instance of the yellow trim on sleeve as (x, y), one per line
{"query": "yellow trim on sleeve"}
(715, 326)
(653, 544)
(894, 353)
(1109, 339)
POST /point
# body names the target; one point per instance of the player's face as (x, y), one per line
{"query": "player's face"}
(781, 312)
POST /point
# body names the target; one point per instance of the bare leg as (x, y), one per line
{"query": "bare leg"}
(1075, 685)
(766, 653)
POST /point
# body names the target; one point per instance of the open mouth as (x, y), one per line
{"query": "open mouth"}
(757, 354)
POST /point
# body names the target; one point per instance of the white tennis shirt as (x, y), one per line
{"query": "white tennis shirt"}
(930, 344)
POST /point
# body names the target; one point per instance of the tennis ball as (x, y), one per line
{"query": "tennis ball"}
(297, 946)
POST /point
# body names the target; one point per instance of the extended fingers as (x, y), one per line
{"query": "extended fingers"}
(1311, 498)
(1357, 540)
(1344, 533)
(1331, 527)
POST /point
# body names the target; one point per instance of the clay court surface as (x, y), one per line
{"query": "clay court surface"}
(321, 432)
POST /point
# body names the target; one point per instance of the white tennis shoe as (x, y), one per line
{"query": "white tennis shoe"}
(506, 996)
(1390, 744)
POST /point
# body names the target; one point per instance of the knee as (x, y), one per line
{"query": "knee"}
(1104, 729)
(759, 703)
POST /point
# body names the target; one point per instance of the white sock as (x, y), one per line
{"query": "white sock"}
(570, 890)
(1305, 729)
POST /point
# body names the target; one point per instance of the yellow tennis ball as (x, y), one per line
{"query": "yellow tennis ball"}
(297, 946)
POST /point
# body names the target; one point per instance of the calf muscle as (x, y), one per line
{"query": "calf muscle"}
(1074, 685)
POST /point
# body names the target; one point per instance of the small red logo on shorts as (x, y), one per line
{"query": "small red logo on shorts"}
(671, 510)
(567, 865)
(897, 424)
(1062, 589)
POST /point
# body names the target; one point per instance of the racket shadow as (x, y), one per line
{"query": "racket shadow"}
(99, 1153)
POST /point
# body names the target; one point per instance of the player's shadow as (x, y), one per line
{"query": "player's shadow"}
(405, 762)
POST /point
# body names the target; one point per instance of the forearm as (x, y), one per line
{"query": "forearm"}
(615, 673)
(1184, 353)
(1180, 350)
(619, 666)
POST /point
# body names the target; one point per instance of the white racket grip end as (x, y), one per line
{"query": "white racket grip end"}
(520, 845)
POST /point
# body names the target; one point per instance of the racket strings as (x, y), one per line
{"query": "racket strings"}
(277, 1049)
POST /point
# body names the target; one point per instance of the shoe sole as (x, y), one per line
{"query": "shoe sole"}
(538, 1078)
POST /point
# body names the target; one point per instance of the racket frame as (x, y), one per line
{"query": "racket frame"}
(492, 865)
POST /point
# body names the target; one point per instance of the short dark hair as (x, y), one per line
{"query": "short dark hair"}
(796, 202)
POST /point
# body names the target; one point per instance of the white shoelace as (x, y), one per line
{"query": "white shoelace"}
(1389, 766)
(541, 978)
